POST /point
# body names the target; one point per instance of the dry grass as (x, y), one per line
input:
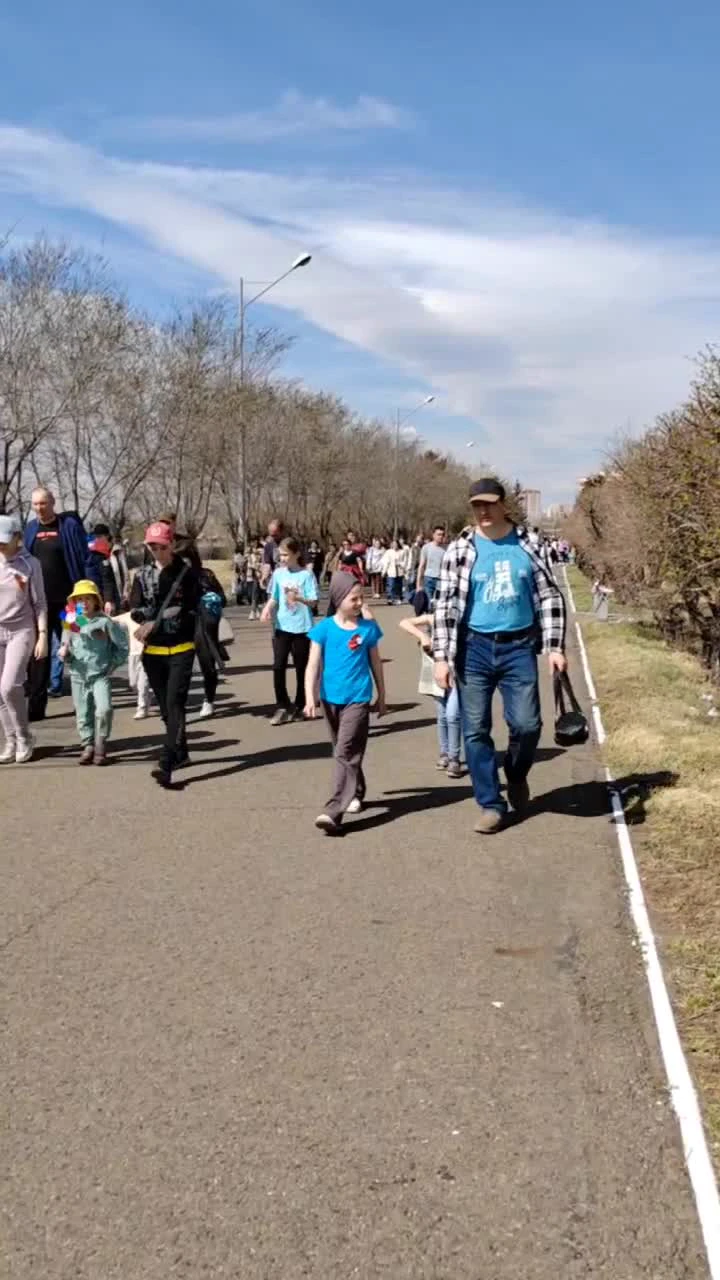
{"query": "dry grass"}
(581, 589)
(657, 722)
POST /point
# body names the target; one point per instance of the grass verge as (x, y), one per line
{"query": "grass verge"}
(659, 731)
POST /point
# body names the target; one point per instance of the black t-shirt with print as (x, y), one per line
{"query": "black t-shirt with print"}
(48, 548)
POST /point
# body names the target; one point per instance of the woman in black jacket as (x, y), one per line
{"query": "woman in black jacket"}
(165, 599)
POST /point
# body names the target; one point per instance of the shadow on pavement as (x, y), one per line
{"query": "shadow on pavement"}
(592, 800)
(396, 805)
(281, 754)
(422, 722)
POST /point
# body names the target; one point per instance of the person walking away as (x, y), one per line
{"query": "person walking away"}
(293, 594)
(164, 600)
(93, 647)
(447, 703)
(344, 661)
(23, 634)
(430, 566)
(497, 602)
(392, 573)
(207, 637)
(59, 542)
(374, 567)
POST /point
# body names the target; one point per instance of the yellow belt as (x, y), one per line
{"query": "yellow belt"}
(165, 650)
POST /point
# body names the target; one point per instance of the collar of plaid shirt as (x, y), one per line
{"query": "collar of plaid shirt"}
(454, 590)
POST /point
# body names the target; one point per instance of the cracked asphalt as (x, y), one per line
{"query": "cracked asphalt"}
(233, 1047)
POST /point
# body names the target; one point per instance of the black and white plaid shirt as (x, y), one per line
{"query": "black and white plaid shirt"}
(452, 596)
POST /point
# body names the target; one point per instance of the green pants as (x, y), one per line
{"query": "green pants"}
(93, 708)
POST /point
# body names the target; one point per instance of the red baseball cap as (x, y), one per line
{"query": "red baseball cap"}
(159, 533)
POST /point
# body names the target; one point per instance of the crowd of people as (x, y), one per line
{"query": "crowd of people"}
(484, 606)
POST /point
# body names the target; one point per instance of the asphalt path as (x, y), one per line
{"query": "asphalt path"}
(234, 1047)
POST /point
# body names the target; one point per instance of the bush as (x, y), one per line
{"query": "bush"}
(650, 523)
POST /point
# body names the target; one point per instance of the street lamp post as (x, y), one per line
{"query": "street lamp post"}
(301, 261)
(399, 423)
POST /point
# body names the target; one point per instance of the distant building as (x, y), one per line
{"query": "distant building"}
(556, 513)
(532, 503)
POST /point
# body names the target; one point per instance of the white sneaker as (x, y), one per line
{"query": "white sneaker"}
(325, 823)
(355, 806)
(206, 711)
(7, 755)
(24, 749)
(142, 713)
(252, 616)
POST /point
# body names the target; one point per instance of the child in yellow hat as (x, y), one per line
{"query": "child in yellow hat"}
(93, 646)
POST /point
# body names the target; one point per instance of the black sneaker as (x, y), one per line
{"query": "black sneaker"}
(162, 773)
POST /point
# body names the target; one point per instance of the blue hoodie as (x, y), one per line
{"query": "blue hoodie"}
(79, 560)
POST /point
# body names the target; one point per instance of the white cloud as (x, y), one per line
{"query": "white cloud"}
(293, 115)
(549, 332)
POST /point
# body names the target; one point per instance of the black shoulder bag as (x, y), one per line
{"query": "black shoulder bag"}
(571, 727)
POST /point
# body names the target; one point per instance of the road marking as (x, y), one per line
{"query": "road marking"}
(682, 1090)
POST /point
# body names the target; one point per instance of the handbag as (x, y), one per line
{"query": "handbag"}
(571, 726)
(426, 683)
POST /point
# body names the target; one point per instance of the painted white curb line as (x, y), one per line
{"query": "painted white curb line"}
(682, 1090)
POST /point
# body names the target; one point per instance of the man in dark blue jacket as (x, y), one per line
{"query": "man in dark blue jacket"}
(59, 542)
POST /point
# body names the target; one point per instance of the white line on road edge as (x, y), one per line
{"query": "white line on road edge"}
(682, 1090)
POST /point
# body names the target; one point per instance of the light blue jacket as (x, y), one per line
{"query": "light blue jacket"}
(97, 649)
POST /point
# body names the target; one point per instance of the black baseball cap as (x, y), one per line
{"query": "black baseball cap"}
(487, 490)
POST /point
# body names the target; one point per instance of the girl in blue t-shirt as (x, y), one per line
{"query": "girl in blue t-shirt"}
(344, 662)
(292, 594)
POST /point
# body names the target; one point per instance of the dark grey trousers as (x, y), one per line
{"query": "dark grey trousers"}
(349, 728)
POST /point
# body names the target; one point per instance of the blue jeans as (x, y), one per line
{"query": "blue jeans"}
(448, 724)
(57, 668)
(430, 586)
(483, 666)
(394, 590)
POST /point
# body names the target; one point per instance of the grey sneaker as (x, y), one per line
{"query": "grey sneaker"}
(442, 763)
(454, 769)
(281, 717)
(489, 821)
(87, 755)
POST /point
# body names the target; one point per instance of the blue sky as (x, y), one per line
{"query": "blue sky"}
(510, 206)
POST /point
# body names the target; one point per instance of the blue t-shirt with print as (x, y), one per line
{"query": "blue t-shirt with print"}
(295, 618)
(346, 674)
(501, 586)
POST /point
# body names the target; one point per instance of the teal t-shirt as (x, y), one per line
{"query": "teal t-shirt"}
(295, 618)
(501, 586)
(346, 673)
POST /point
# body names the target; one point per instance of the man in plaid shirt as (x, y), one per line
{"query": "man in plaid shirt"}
(497, 606)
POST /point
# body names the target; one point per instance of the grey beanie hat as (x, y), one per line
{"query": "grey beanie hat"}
(341, 584)
(9, 526)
